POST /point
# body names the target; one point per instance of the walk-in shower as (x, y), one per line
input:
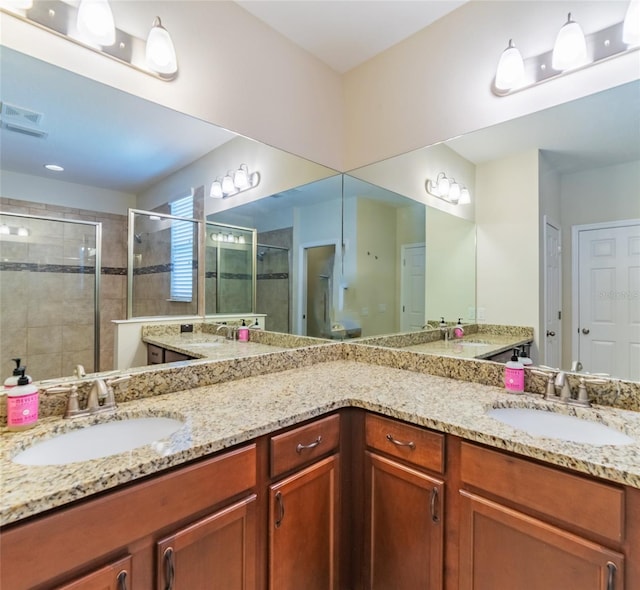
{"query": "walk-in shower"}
(49, 294)
(273, 287)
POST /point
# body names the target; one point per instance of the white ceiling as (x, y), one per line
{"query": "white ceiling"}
(345, 33)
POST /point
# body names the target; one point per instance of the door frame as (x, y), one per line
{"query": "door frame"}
(549, 222)
(575, 273)
(300, 326)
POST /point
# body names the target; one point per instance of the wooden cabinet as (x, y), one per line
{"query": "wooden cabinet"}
(304, 508)
(404, 520)
(157, 355)
(216, 552)
(525, 525)
(113, 576)
(75, 543)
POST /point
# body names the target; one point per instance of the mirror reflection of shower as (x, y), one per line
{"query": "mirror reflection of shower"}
(273, 286)
(319, 289)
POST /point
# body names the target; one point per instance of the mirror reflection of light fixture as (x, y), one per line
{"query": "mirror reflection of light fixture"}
(160, 52)
(448, 190)
(11, 230)
(95, 22)
(234, 182)
(91, 25)
(570, 49)
(569, 53)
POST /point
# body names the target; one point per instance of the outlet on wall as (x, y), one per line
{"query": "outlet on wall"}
(186, 328)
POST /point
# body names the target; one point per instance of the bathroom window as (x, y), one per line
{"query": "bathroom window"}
(182, 250)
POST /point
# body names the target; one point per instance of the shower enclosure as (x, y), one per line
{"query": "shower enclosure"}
(273, 287)
(49, 294)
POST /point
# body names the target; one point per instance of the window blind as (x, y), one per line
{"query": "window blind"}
(182, 250)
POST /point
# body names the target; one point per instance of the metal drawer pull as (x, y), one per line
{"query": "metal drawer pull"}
(433, 508)
(122, 580)
(611, 583)
(169, 570)
(280, 506)
(312, 445)
(399, 443)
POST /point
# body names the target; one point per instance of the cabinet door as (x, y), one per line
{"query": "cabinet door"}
(502, 549)
(403, 527)
(217, 552)
(114, 576)
(302, 529)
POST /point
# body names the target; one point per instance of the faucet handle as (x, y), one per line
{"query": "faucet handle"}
(583, 396)
(550, 374)
(73, 406)
(110, 399)
(117, 380)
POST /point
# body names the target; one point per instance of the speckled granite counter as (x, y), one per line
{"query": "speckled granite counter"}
(224, 414)
(478, 346)
(210, 347)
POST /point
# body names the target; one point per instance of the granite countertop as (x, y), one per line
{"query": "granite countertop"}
(207, 346)
(480, 346)
(232, 412)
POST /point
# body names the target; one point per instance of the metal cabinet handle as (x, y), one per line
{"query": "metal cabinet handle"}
(311, 445)
(433, 505)
(169, 569)
(399, 443)
(280, 506)
(585, 331)
(611, 582)
(122, 580)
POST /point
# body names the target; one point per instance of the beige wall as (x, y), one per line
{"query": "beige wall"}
(507, 213)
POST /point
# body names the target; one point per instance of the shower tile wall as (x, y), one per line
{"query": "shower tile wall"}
(273, 289)
(30, 298)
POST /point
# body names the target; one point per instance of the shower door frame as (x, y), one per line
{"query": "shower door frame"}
(98, 271)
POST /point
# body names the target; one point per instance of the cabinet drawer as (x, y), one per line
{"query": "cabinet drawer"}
(170, 356)
(155, 354)
(302, 445)
(413, 444)
(591, 506)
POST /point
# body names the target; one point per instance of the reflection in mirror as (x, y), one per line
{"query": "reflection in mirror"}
(120, 152)
(230, 254)
(163, 262)
(48, 289)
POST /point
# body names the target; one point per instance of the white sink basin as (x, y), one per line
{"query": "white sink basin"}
(560, 426)
(100, 440)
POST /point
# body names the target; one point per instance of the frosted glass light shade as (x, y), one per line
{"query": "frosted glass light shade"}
(95, 22)
(510, 70)
(570, 49)
(227, 185)
(241, 178)
(631, 26)
(454, 192)
(160, 52)
(465, 197)
(216, 190)
(443, 185)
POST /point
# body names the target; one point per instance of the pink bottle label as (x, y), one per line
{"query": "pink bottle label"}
(514, 380)
(243, 334)
(22, 410)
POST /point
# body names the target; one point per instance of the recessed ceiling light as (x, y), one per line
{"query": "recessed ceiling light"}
(54, 167)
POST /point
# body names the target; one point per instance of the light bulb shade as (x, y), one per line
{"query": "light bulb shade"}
(465, 197)
(443, 185)
(160, 52)
(95, 22)
(570, 49)
(23, 232)
(241, 178)
(227, 185)
(454, 192)
(510, 70)
(5, 229)
(216, 190)
(631, 26)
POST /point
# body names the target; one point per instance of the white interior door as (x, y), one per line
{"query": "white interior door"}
(608, 329)
(412, 287)
(552, 296)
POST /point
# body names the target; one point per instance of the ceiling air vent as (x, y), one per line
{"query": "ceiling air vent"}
(21, 120)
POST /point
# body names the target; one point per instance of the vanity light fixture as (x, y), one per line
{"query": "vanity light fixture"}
(572, 51)
(91, 25)
(234, 182)
(54, 167)
(11, 230)
(448, 190)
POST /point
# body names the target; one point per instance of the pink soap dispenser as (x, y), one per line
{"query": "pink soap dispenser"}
(22, 404)
(514, 374)
(458, 331)
(243, 332)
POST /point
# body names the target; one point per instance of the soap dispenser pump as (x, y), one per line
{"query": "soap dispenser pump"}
(17, 371)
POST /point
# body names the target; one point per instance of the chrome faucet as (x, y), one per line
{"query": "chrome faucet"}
(100, 399)
(429, 326)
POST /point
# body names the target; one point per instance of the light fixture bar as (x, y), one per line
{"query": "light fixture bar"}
(60, 18)
(602, 45)
(234, 182)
